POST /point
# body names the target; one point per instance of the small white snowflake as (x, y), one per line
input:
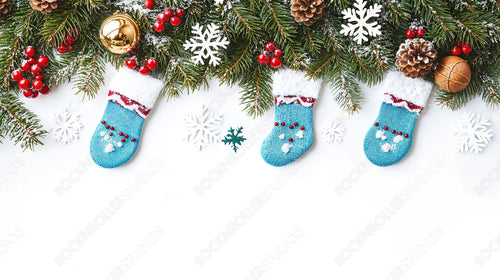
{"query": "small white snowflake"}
(472, 133)
(361, 27)
(333, 131)
(219, 2)
(206, 44)
(202, 128)
(67, 127)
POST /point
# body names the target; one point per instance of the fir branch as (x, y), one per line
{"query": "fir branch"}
(50, 37)
(318, 70)
(490, 90)
(9, 64)
(379, 59)
(436, 15)
(357, 57)
(394, 9)
(241, 18)
(21, 126)
(85, 87)
(345, 88)
(224, 76)
(180, 69)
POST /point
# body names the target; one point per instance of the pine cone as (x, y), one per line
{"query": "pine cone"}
(45, 6)
(5, 8)
(307, 11)
(415, 57)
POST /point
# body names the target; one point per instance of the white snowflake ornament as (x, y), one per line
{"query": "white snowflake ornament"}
(202, 128)
(359, 26)
(472, 133)
(333, 131)
(67, 127)
(206, 43)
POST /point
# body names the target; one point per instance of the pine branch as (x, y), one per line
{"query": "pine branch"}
(18, 123)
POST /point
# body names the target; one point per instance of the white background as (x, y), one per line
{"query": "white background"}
(174, 212)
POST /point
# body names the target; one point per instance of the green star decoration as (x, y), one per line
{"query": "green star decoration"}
(234, 139)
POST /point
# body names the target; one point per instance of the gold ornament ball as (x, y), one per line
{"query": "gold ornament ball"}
(119, 33)
(452, 74)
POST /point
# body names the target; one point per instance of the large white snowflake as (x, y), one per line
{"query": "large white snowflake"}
(202, 128)
(359, 26)
(67, 127)
(472, 133)
(333, 131)
(205, 43)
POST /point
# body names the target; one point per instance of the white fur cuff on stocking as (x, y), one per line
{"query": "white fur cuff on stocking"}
(134, 91)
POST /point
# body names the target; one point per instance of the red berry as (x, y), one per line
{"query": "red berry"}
(459, 43)
(149, 4)
(131, 64)
(70, 40)
(263, 58)
(17, 75)
(35, 94)
(43, 61)
(62, 48)
(25, 66)
(290, 139)
(296, 123)
(302, 128)
(375, 124)
(270, 46)
(466, 48)
(393, 131)
(385, 128)
(111, 134)
(420, 32)
(175, 21)
(28, 93)
(151, 63)
(159, 26)
(36, 69)
(144, 70)
(39, 77)
(406, 135)
(180, 12)
(31, 61)
(123, 140)
(37, 85)
(24, 84)
(70, 48)
(29, 51)
(410, 33)
(168, 12)
(45, 89)
(133, 139)
(120, 133)
(456, 50)
(275, 62)
(162, 17)
(276, 124)
(126, 135)
(278, 52)
(282, 123)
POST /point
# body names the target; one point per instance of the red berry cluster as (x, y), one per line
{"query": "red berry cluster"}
(415, 29)
(69, 40)
(35, 67)
(271, 55)
(151, 64)
(461, 47)
(168, 15)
